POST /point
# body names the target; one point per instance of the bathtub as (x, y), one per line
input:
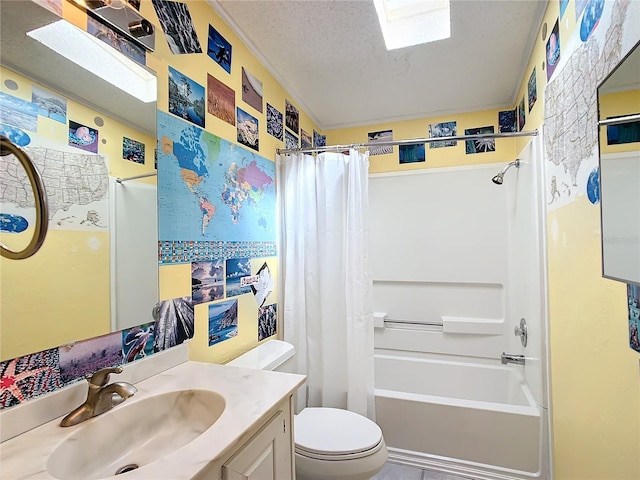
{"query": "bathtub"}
(480, 417)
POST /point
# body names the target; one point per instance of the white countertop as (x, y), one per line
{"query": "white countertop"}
(251, 398)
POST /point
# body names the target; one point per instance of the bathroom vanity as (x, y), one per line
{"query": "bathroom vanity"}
(193, 421)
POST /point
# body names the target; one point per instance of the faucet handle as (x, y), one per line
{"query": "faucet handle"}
(101, 377)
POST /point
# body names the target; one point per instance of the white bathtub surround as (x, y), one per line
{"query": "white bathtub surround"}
(469, 266)
(251, 398)
(328, 312)
(482, 418)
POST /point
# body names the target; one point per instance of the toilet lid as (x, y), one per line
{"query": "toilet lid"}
(333, 431)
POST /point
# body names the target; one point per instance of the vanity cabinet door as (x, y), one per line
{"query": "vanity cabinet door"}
(267, 456)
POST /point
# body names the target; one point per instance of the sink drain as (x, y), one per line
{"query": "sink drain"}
(127, 468)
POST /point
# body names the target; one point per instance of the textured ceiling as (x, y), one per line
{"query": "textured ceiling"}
(330, 56)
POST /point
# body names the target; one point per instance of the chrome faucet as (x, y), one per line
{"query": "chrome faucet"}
(100, 397)
(509, 358)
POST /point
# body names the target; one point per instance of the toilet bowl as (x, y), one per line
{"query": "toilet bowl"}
(330, 443)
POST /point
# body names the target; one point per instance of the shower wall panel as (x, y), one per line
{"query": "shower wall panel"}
(439, 248)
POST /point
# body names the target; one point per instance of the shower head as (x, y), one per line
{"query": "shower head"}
(499, 178)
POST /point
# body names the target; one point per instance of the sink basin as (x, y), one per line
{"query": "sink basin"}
(135, 434)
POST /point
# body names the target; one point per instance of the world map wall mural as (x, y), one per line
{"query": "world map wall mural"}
(215, 198)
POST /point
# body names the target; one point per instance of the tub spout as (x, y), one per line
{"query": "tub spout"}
(509, 358)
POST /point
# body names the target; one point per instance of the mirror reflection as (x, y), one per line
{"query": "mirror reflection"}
(619, 119)
(97, 269)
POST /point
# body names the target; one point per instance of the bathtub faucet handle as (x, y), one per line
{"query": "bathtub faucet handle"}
(521, 331)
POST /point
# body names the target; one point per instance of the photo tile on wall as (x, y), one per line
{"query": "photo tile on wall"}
(480, 145)
(223, 321)
(219, 49)
(532, 89)
(207, 281)
(18, 112)
(305, 139)
(412, 153)
(251, 90)
(137, 342)
(49, 104)
(117, 41)
(238, 270)
(177, 26)
(380, 136)
(83, 137)
(262, 284)
(633, 298)
(507, 121)
(221, 100)
(174, 324)
(53, 5)
(290, 140)
(563, 6)
(319, 140)
(521, 115)
(292, 117)
(274, 122)
(248, 132)
(553, 50)
(628, 132)
(27, 377)
(267, 321)
(444, 129)
(132, 150)
(88, 356)
(186, 98)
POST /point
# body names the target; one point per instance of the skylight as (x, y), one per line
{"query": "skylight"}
(98, 58)
(412, 22)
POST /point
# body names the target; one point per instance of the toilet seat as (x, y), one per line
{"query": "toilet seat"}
(324, 433)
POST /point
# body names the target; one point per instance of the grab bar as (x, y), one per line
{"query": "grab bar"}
(413, 322)
(7, 147)
(413, 325)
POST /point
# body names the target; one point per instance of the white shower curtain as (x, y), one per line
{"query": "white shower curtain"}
(326, 283)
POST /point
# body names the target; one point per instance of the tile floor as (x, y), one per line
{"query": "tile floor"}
(392, 471)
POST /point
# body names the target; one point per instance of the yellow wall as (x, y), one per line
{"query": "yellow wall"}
(435, 157)
(595, 383)
(175, 280)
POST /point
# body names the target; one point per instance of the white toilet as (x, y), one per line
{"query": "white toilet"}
(330, 443)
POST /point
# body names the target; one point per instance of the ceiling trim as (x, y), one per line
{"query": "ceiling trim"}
(528, 50)
(532, 38)
(418, 116)
(219, 9)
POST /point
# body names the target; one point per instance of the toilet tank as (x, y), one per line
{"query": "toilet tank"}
(270, 355)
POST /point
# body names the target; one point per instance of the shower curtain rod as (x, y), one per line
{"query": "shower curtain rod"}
(144, 175)
(411, 141)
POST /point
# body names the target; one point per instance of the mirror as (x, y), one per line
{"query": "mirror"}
(619, 141)
(97, 270)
